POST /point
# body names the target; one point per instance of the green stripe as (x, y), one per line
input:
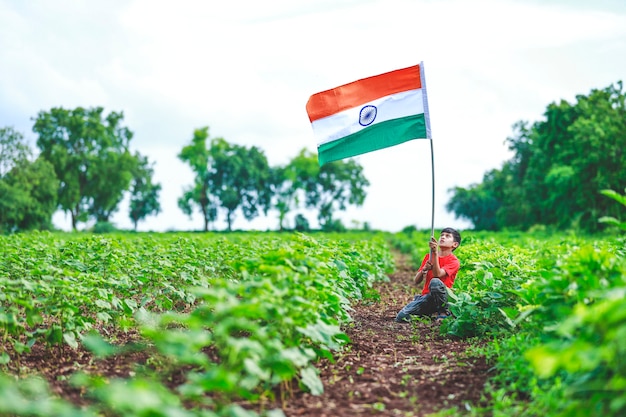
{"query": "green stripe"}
(379, 136)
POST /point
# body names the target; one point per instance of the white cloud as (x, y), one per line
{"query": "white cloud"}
(246, 69)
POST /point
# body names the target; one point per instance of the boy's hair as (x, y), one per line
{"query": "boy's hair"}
(455, 234)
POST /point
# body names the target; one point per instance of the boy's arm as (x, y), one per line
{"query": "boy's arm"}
(438, 272)
(421, 274)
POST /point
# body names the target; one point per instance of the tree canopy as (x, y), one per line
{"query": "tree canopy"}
(28, 188)
(91, 158)
(85, 168)
(144, 193)
(557, 172)
(331, 187)
(236, 178)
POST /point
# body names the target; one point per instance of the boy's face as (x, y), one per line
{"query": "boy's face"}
(446, 240)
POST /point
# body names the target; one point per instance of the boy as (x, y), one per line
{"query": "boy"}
(439, 267)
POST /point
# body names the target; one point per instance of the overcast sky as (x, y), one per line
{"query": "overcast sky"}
(246, 69)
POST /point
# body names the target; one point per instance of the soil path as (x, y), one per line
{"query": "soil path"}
(393, 369)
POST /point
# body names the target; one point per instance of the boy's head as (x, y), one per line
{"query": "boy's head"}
(455, 234)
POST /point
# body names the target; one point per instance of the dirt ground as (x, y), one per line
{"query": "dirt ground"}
(389, 369)
(394, 369)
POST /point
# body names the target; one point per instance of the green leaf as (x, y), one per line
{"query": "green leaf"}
(70, 339)
(129, 305)
(311, 380)
(98, 346)
(507, 318)
(237, 411)
(54, 335)
(296, 356)
(33, 318)
(103, 316)
(544, 361)
(103, 304)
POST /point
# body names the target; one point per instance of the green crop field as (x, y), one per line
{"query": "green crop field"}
(239, 314)
(215, 321)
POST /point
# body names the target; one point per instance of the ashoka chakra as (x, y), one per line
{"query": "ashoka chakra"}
(367, 115)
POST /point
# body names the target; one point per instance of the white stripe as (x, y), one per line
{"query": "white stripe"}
(344, 123)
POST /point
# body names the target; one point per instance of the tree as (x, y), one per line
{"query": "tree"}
(197, 156)
(241, 178)
(559, 166)
(27, 188)
(227, 176)
(577, 151)
(90, 156)
(475, 204)
(285, 192)
(144, 196)
(13, 149)
(330, 187)
(107, 189)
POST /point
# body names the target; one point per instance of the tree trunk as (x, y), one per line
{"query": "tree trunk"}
(229, 220)
(74, 217)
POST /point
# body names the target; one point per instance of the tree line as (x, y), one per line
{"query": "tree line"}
(85, 168)
(559, 168)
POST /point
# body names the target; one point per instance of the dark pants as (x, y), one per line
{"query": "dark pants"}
(424, 305)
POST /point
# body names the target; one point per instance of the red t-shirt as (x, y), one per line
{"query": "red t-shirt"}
(449, 263)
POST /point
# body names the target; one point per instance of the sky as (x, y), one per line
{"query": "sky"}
(246, 69)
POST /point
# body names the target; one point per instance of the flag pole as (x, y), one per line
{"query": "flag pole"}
(432, 209)
(432, 153)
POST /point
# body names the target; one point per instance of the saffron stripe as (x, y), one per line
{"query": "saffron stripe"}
(382, 135)
(362, 91)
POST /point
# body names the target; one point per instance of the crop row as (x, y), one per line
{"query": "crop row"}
(239, 314)
(553, 307)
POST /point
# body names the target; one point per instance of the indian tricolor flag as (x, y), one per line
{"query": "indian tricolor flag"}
(370, 114)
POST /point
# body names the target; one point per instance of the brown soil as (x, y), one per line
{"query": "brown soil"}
(394, 369)
(389, 369)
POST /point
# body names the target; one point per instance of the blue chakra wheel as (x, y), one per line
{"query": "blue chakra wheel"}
(367, 115)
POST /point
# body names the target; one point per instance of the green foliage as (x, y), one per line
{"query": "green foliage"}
(478, 204)
(32, 397)
(301, 223)
(265, 307)
(581, 304)
(90, 155)
(485, 296)
(551, 307)
(228, 176)
(233, 177)
(284, 193)
(620, 199)
(104, 227)
(409, 230)
(334, 225)
(240, 178)
(331, 187)
(144, 195)
(565, 356)
(546, 309)
(558, 165)
(27, 188)
(13, 150)
(197, 156)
